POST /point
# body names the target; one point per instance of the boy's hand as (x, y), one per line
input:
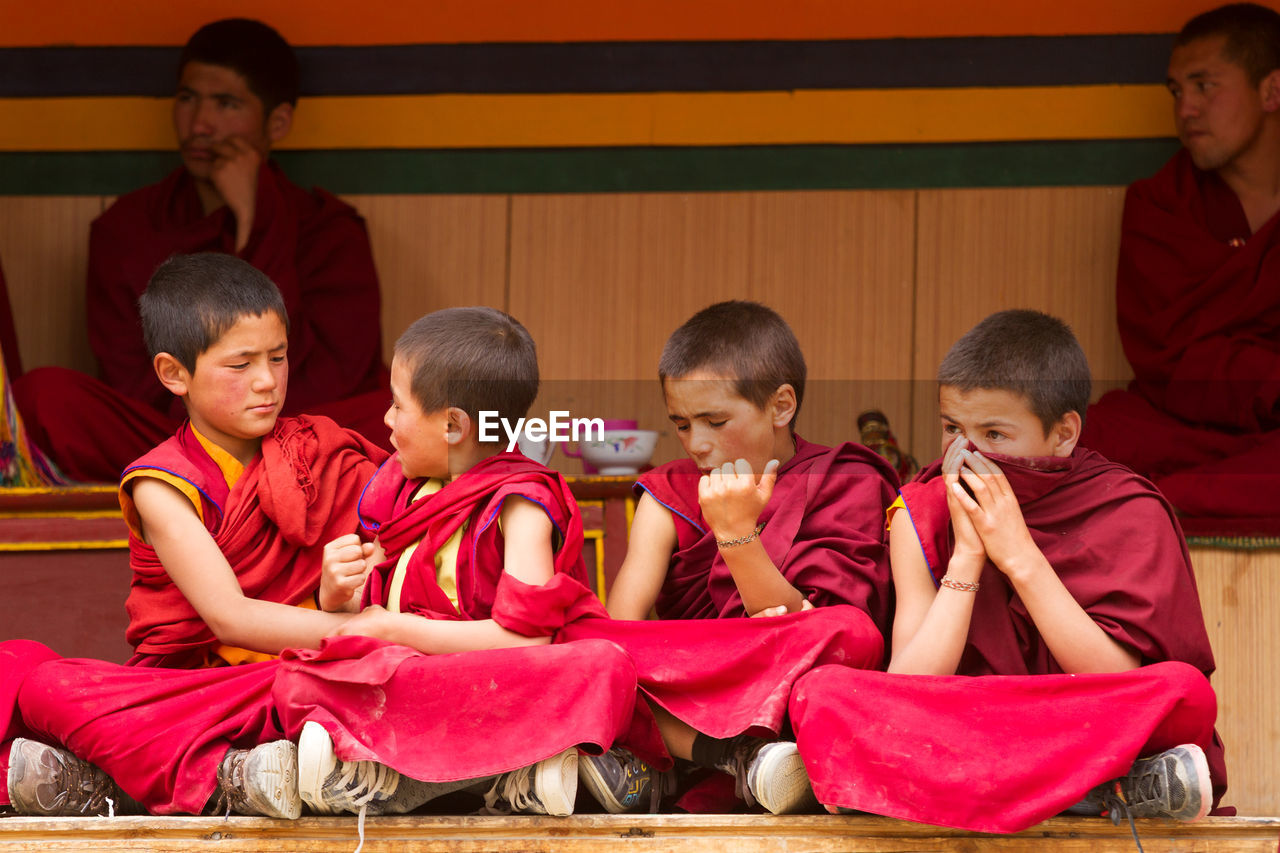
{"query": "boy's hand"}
(969, 555)
(343, 569)
(374, 621)
(995, 514)
(732, 500)
(234, 175)
(781, 610)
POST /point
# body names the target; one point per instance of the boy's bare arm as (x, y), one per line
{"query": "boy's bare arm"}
(206, 579)
(527, 556)
(731, 502)
(1076, 641)
(930, 625)
(650, 544)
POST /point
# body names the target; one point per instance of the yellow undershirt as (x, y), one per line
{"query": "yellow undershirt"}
(446, 558)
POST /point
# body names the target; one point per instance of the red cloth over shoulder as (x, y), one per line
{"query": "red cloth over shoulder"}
(823, 528)
(1196, 301)
(475, 499)
(1113, 541)
(298, 494)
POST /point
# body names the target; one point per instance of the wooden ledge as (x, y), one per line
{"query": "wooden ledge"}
(596, 833)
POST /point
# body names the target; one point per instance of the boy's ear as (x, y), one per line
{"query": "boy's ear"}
(459, 425)
(1065, 433)
(1270, 91)
(279, 122)
(172, 374)
(783, 405)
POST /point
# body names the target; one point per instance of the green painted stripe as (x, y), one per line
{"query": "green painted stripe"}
(1074, 163)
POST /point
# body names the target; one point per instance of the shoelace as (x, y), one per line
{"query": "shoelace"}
(1116, 806)
(231, 785)
(513, 790)
(77, 775)
(358, 784)
(744, 751)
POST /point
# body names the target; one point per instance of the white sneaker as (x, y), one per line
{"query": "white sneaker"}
(329, 785)
(548, 787)
(778, 780)
(262, 780)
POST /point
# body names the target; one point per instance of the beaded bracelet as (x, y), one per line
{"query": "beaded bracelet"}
(963, 586)
(741, 540)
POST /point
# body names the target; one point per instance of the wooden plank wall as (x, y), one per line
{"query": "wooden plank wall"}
(877, 284)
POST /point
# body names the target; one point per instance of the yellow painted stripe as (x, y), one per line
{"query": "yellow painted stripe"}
(701, 118)
(91, 545)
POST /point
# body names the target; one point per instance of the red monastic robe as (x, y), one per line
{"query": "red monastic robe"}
(823, 528)
(298, 494)
(1022, 742)
(313, 246)
(725, 674)
(449, 717)
(439, 717)
(1200, 322)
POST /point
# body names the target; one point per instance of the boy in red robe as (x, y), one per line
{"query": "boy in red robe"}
(477, 550)
(1195, 291)
(1047, 632)
(228, 521)
(756, 521)
(236, 94)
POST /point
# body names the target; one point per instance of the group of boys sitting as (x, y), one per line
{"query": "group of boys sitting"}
(319, 625)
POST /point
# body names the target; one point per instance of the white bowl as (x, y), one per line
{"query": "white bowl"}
(621, 452)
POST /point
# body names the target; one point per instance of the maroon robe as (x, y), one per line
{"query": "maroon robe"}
(1002, 751)
(1196, 299)
(823, 529)
(313, 246)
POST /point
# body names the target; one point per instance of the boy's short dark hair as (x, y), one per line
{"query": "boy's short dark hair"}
(744, 340)
(192, 300)
(1027, 353)
(476, 359)
(253, 50)
(1252, 35)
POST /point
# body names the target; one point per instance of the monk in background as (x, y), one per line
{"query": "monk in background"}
(1198, 287)
(237, 89)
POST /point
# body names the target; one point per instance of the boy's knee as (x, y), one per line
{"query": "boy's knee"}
(1188, 683)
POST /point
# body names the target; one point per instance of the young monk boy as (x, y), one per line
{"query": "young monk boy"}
(477, 550)
(1024, 557)
(234, 710)
(228, 521)
(756, 521)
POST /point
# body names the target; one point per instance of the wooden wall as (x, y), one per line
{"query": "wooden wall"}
(877, 284)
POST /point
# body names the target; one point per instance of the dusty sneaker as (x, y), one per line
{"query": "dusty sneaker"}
(45, 780)
(620, 782)
(772, 774)
(548, 787)
(329, 785)
(1174, 784)
(261, 781)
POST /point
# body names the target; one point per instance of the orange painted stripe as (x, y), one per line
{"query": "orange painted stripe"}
(856, 116)
(338, 22)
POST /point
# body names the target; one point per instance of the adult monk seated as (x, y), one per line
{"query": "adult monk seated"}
(237, 89)
(1197, 287)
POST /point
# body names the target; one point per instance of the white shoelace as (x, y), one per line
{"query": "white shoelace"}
(359, 783)
(516, 790)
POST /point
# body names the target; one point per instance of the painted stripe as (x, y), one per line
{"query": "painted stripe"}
(1052, 163)
(626, 66)
(337, 22)
(680, 119)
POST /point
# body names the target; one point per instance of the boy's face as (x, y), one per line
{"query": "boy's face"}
(717, 425)
(421, 437)
(1217, 110)
(239, 384)
(999, 421)
(215, 103)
